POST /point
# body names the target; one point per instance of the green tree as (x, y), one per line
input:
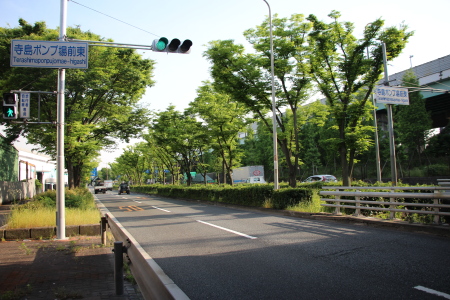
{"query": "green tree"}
(223, 119)
(345, 70)
(258, 148)
(412, 122)
(246, 77)
(180, 135)
(101, 102)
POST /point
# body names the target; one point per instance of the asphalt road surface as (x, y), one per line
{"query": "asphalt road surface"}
(216, 252)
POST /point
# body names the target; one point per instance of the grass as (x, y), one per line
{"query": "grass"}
(312, 206)
(41, 210)
(46, 217)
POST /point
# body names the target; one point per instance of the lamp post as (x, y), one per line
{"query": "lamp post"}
(274, 116)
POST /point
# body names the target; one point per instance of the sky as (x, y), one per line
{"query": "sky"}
(178, 76)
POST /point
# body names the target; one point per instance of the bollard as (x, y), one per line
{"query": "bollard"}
(103, 223)
(118, 267)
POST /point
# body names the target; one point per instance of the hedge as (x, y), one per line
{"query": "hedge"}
(242, 194)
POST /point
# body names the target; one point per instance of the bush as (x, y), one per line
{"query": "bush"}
(242, 194)
(437, 170)
(75, 198)
(285, 198)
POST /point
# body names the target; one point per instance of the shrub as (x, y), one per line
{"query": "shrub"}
(285, 198)
(75, 198)
(437, 170)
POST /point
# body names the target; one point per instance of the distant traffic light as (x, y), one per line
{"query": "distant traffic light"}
(10, 103)
(175, 46)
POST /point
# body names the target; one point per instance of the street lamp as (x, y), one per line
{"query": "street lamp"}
(274, 116)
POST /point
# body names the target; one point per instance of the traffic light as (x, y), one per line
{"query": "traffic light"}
(10, 103)
(175, 46)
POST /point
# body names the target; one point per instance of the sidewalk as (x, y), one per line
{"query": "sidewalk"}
(77, 268)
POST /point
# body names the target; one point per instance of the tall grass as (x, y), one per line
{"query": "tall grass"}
(312, 206)
(41, 211)
(46, 217)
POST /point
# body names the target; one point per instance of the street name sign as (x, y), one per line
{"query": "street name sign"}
(391, 95)
(49, 54)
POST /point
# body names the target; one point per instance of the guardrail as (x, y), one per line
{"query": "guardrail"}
(438, 195)
(152, 281)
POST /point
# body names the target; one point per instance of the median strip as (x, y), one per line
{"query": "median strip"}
(229, 230)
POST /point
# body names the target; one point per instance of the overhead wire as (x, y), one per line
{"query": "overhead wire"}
(114, 18)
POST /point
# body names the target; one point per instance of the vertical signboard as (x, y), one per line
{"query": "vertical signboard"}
(24, 105)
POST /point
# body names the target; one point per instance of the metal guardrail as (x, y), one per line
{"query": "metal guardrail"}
(437, 196)
(152, 281)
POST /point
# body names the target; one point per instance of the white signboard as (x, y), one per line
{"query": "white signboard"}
(24, 105)
(47, 54)
(391, 95)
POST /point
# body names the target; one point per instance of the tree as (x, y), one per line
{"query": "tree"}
(246, 77)
(223, 120)
(412, 122)
(101, 102)
(345, 70)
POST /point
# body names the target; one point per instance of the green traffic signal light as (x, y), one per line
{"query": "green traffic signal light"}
(9, 112)
(162, 44)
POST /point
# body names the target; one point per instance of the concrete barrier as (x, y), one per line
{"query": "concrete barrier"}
(48, 232)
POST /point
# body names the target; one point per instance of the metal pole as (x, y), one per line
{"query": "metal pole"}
(390, 125)
(103, 223)
(274, 116)
(118, 267)
(60, 197)
(377, 143)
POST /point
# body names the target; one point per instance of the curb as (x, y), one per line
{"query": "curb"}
(48, 232)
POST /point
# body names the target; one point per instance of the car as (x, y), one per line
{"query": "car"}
(325, 178)
(124, 188)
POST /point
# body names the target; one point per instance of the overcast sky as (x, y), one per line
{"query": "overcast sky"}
(178, 76)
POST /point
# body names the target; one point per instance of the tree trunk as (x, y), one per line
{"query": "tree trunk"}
(292, 167)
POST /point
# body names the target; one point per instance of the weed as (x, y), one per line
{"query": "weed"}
(128, 275)
(60, 248)
(18, 293)
(64, 293)
(76, 249)
(25, 248)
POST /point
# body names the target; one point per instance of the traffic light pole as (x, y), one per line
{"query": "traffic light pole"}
(60, 186)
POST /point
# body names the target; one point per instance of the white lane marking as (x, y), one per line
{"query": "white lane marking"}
(229, 230)
(434, 292)
(161, 209)
(137, 201)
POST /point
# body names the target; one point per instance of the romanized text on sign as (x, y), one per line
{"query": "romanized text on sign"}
(48, 54)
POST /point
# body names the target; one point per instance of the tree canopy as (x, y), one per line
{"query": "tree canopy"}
(101, 101)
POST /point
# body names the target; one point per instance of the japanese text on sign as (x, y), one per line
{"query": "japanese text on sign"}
(391, 95)
(47, 54)
(24, 105)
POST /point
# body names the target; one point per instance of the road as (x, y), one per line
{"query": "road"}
(217, 252)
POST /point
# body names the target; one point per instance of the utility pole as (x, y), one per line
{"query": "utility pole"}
(60, 187)
(390, 125)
